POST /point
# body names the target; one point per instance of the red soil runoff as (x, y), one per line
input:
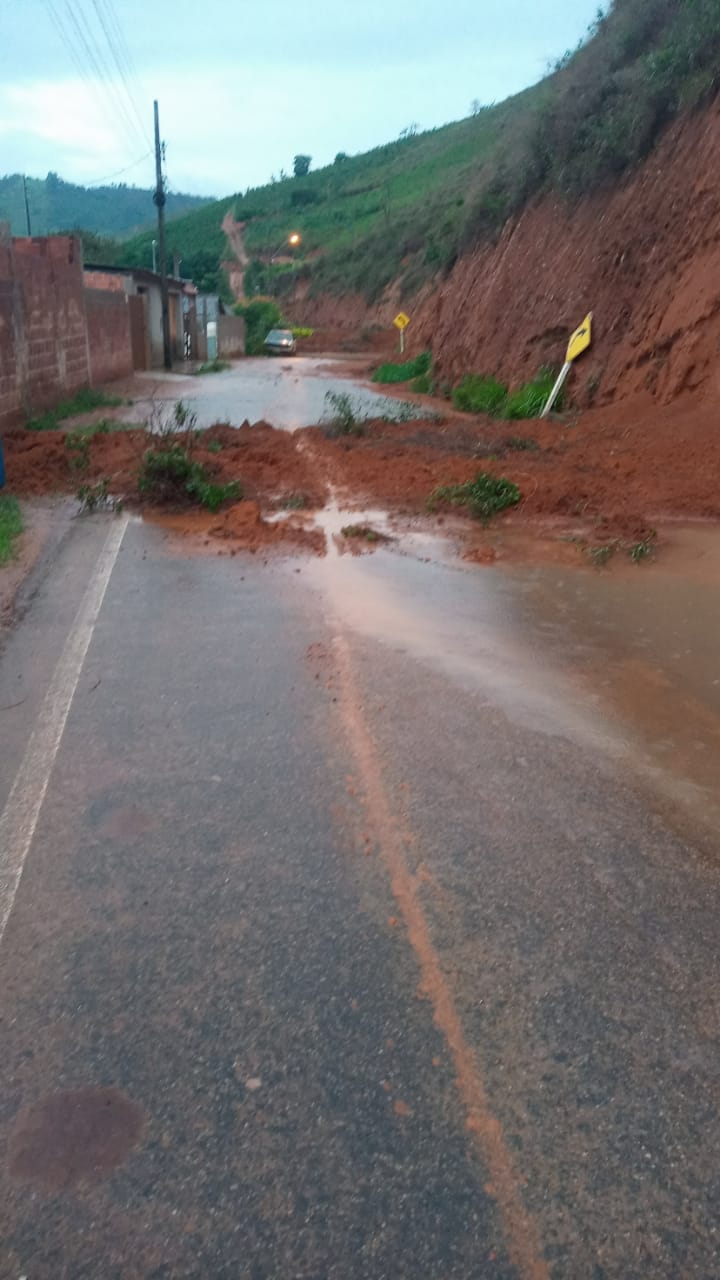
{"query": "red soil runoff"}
(618, 470)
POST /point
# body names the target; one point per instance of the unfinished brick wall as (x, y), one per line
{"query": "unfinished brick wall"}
(10, 400)
(56, 336)
(108, 330)
(43, 329)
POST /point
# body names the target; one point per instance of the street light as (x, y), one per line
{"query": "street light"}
(294, 239)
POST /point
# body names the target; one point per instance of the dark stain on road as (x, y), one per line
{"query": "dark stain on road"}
(73, 1136)
(126, 821)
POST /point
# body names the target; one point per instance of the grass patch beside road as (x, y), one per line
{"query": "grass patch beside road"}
(87, 399)
(404, 370)
(11, 526)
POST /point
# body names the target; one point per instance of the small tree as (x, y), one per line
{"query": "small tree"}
(301, 166)
(341, 155)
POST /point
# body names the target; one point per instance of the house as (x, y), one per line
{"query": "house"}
(144, 292)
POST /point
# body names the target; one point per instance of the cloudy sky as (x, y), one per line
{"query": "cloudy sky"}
(243, 86)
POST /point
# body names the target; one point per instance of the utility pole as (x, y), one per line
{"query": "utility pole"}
(27, 206)
(159, 199)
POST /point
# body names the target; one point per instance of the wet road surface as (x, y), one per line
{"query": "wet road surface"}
(348, 930)
(289, 393)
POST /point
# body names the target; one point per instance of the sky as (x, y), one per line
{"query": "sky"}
(244, 86)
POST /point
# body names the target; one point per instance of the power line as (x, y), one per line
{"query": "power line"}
(98, 182)
(121, 55)
(95, 85)
(97, 60)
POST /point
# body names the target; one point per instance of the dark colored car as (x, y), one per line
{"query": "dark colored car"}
(280, 342)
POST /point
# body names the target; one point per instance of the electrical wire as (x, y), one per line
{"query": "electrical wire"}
(96, 57)
(121, 56)
(99, 182)
(92, 83)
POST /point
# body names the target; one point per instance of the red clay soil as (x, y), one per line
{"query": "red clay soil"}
(618, 469)
(269, 466)
(617, 464)
(644, 257)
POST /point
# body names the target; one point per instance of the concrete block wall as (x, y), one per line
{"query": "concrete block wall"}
(43, 328)
(56, 336)
(108, 331)
(55, 361)
(231, 336)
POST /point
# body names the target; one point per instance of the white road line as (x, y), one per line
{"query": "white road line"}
(22, 810)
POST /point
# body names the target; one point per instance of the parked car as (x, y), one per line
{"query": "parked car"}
(280, 342)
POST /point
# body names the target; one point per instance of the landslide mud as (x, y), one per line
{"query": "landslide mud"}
(614, 473)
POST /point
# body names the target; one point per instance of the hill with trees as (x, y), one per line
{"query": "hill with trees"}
(116, 211)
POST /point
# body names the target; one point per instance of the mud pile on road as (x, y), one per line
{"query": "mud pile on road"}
(274, 476)
(617, 470)
(621, 465)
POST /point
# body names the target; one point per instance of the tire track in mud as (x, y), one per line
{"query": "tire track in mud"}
(521, 1231)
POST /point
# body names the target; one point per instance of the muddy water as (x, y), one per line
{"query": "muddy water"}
(289, 393)
(625, 661)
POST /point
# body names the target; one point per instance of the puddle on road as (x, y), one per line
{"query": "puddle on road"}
(288, 393)
(627, 662)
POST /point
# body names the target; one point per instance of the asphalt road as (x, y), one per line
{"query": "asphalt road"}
(288, 392)
(345, 934)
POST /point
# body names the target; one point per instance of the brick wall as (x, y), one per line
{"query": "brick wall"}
(10, 399)
(108, 331)
(43, 330)
(54, 361)
(56, 336)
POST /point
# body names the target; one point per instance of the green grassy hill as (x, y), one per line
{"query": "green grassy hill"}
(408, 209)
(57, 206)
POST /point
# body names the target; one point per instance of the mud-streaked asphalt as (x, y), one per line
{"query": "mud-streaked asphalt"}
(337, 954)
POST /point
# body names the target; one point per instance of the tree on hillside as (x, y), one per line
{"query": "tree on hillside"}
(301, 166)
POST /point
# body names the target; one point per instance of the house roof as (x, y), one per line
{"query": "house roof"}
(143, 276)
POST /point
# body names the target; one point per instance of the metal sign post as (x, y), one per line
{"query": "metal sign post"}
(580, 340)
(401, 322)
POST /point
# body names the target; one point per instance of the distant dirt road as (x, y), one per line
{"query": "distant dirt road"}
(236, 267)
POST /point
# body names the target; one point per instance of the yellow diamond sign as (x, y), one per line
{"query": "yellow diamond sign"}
(580, 340)
(401, 321)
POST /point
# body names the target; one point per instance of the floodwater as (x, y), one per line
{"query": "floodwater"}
(289, 393)
(625, 661)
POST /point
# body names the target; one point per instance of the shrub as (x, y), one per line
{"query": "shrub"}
(343, 415)
(260, 316)
(529, 400)
(170, 474)
(484, 496)
(405, 370)
(302, 331)
(97, 497)
(476, 393)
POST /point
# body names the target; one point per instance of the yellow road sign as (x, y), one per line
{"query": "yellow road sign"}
(581, 339)
(401, 321)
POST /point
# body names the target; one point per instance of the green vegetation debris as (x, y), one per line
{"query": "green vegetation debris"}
(404, 371)
(478, 393)
(11, 526)
(169, 474)
(216, 365)
(484, 497)
(87, 399)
